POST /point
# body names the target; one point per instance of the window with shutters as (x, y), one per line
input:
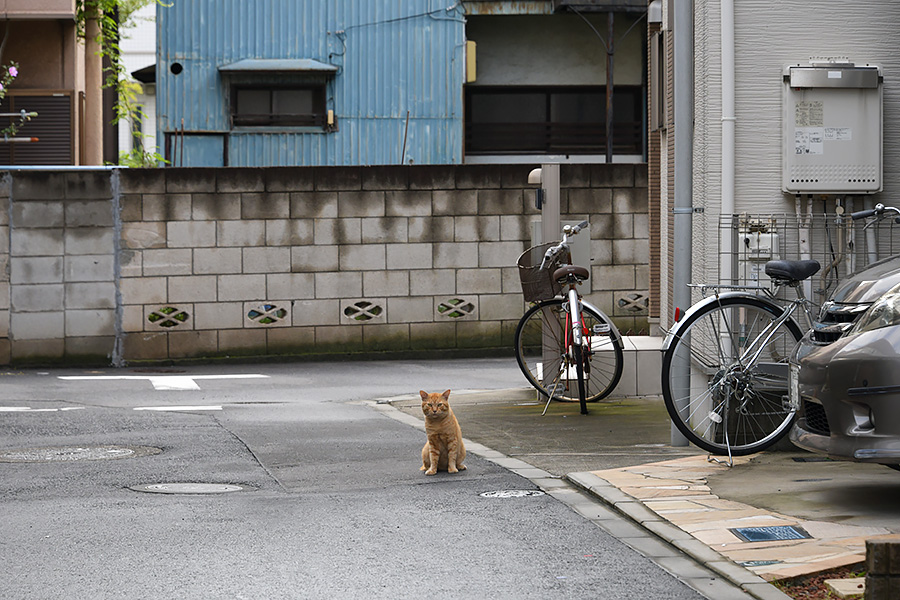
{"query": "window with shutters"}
(53, 126)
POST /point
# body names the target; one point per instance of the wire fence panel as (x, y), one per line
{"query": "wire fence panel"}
(841, 245)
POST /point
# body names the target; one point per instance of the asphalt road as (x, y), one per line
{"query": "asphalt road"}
(332, 505)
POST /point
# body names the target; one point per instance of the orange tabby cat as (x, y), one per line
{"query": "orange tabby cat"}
(444, 449)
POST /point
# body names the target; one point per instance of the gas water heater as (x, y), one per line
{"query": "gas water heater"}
(832, 128)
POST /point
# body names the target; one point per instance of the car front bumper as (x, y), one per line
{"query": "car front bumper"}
(849, 397)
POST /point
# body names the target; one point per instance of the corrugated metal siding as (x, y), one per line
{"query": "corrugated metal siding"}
(367, 141)
(393, 58)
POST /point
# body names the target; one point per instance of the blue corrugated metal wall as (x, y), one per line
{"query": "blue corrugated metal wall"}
(393, 56)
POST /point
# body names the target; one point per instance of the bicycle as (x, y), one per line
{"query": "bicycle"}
(880, 211)
(567, 348)
(725, 373)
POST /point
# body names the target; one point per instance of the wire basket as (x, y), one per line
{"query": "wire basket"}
(537, 283)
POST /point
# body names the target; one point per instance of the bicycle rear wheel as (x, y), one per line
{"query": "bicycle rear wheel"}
(714, 395)
(541, 352)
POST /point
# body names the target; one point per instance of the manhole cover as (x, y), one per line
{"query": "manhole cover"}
(74, 453)
(189, 488)
(769, 534)
(511, 494)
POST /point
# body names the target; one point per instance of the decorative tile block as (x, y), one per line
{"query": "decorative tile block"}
(456, 308)
(632, 304)
(267, 314)
(168, 317)
(363, 311)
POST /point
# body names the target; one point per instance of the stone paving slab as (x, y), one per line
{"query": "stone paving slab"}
(676, 491)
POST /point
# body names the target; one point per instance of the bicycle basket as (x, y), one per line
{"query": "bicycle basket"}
(538, 284)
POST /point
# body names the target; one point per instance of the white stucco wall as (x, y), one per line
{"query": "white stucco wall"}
(768, 36)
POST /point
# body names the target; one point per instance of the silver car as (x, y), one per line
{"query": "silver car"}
(845, 372)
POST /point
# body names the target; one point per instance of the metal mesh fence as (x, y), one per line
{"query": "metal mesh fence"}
(841, 245)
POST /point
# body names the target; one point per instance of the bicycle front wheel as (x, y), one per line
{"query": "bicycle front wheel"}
(725, 376)
(548, 364)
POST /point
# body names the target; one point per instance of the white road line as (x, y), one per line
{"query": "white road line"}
(177, 408)
(165, 382)
(29, 409)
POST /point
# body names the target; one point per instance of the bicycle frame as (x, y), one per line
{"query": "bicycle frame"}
(576, 324)
(757, 346)
(742, 292)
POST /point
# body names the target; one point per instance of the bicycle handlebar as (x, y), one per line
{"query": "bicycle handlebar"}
(879, 211)
(568, 230)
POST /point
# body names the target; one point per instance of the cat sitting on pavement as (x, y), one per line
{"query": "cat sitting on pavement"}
(444, 449)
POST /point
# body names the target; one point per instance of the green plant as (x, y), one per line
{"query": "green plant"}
(111, 16)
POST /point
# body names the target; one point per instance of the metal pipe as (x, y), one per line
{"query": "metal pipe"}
(550, 210)
(728, 126)
(684, 136)
(405, 131)
(610, 50)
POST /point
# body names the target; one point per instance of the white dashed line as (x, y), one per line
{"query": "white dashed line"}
(177, 408)
(164, 382)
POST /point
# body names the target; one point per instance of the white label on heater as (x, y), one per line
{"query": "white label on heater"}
(809, 140)
(838, 134)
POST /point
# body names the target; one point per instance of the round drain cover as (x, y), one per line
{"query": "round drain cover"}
(74, 453)
(511, 494)
(189, 488)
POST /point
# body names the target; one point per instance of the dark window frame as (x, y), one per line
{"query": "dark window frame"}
(559, 136)
(316, 118)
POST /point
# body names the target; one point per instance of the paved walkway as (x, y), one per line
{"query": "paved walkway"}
(677, 492)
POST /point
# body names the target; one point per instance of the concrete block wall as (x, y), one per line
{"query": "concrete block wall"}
(58, 293)
(168, 264)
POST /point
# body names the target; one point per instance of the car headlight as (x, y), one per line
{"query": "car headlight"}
(884, 312)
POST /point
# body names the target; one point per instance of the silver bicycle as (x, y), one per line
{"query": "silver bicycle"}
(725, 373)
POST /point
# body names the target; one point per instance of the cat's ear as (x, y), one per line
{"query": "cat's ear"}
(446, 395)
(424, 394)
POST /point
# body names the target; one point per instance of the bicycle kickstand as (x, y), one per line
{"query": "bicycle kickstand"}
(730, 462)
(550, 398)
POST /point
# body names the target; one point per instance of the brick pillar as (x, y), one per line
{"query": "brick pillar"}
(883, 569)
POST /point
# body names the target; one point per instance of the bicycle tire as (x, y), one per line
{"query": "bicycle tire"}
(718, 404)
(578, 357)
(603, 365)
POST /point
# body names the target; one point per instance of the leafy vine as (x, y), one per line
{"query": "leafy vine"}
(111, 16)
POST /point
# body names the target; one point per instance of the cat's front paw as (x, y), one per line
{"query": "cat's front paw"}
(452, 470)
(431, 471)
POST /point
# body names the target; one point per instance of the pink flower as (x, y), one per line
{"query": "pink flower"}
(13, 71)
(1, 87)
